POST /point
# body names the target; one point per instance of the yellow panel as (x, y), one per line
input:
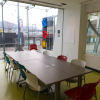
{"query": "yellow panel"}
(0, 30)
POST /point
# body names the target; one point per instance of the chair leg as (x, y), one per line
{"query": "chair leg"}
(38, 95)
(7, 70)
(84, 79)
(69, 84)
(24, 92)
(11, 76)
(64, 97)
(95, 96)
(5, 66)
(52, 92)
(18, 81)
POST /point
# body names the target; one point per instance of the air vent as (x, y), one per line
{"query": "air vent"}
(63, 4)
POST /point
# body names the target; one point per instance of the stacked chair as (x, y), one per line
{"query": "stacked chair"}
(14, 66)
(7, 62)
(10, 64)
(22, 74)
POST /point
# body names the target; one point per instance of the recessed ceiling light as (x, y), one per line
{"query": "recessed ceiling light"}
(63, 4)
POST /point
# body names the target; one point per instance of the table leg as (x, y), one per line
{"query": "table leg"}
(57, 91)
(79, 81)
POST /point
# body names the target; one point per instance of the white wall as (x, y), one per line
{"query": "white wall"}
(72, 20)
(76, 16)
(57, 47)
(91, 60)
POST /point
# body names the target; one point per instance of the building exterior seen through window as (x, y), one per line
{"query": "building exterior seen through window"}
(31, 28)
(93, 34)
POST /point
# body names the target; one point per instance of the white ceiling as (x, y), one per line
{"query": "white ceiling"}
(54, 3)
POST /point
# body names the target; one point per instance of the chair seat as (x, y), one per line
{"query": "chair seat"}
(73, 80)
(14, 61)
(16, 67)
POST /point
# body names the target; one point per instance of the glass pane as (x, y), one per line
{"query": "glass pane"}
(36, 28)
(11, 37)
(93, 34)
(23, 25)
(1, 47)
(41, 35)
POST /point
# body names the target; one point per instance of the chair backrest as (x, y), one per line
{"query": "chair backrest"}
(21, 67)
(7, 59)
(62, 57)
(77, 62)
(46, 53)
(88, 91)
(11, 62)
(18, 48)
(32, 81)
(33, 46)
(4, 53)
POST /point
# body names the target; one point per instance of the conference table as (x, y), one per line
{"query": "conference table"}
(49, 70)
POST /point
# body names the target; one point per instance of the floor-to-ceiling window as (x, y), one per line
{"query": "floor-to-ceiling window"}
(37, 15)
(39, 34)
(1, 49)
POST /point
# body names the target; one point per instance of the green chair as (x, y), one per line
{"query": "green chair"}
(14, 66)
(7, 62)
(21, 67)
